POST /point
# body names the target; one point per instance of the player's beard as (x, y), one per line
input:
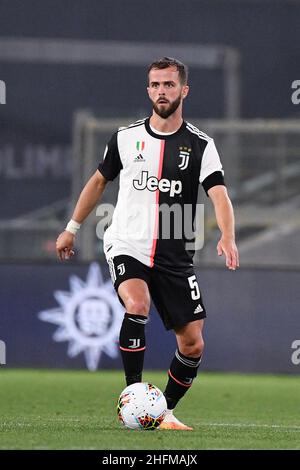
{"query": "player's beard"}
(166, 111)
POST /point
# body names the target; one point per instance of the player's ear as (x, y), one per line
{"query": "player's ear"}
(185, 91)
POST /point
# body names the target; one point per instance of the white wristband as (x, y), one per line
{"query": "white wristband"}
(73, 227)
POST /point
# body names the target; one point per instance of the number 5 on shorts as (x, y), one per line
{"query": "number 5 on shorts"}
(195, 292)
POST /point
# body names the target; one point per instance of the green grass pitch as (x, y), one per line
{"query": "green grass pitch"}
(77, 410)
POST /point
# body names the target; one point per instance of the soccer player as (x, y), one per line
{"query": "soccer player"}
(161, 161)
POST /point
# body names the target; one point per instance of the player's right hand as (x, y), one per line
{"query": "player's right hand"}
(65, 245)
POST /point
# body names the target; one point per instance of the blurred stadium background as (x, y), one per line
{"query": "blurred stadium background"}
(71, 82)
(75, 71)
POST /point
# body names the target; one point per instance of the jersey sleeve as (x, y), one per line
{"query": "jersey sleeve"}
(211, 172)
(111, 164)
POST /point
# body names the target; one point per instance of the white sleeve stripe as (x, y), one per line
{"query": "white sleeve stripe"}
(198, 130)
(200, 134)
(105, 152)
(134, 124)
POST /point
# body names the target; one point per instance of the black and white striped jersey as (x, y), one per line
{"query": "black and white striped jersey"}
(159, 180)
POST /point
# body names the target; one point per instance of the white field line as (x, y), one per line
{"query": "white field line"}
(254, 425)
(77, 422)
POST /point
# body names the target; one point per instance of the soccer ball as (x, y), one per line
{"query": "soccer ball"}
(141, 406)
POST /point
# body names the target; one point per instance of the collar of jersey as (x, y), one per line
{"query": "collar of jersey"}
(163, 137)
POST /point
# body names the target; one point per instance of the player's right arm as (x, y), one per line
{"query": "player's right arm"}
(108, 170)
(88, 199)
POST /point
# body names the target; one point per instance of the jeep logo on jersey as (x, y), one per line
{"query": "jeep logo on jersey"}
(184, 154)
(152, 184)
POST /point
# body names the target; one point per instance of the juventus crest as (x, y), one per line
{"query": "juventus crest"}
(121, 269)
(184, 154)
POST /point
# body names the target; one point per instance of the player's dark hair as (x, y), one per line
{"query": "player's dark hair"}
(166, 62)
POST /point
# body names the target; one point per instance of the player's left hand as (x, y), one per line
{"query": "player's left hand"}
(228, 247)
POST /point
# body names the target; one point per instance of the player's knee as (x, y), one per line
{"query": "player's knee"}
(137, 306)
(200, 347)
(193, 348)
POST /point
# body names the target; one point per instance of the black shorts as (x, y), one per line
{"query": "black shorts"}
(176, 295)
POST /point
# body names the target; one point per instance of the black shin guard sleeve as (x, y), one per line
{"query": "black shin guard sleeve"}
(132, 346)
(182, 372)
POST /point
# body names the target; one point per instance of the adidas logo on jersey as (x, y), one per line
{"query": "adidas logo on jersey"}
(198, 309)
(139, 158)
(152, 184)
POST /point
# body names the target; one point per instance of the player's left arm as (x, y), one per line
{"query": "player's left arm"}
(225, 219)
